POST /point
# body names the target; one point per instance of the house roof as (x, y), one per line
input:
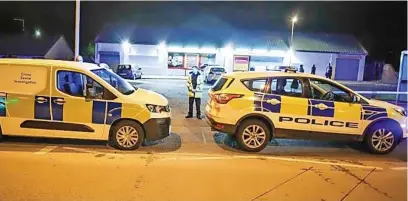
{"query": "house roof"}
(26, 45)
(205, 30)
(322, 42)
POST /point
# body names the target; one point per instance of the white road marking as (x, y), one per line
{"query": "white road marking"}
(310, 161)
(45, 150)
(399, 168)
(198, 156)
(205, 140)
(91, 151)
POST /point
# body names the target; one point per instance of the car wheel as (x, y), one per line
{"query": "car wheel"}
(126, 135)
(253, 135)
(380, 139)
(134, 77)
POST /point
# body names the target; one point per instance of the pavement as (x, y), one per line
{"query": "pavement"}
(195, 163)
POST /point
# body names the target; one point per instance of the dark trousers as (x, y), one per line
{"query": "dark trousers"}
(190, 105)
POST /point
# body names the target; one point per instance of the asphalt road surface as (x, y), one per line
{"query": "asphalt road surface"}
(195, 163)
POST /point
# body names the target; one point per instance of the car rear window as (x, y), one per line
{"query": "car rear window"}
(257, 85)
(219, 84)
(217, 70)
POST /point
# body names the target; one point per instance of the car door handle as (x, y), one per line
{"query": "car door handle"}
(321, 106)
(59, 101)
(41, 100)
(273, 101)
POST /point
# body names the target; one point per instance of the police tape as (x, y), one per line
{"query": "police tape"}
(381, 92)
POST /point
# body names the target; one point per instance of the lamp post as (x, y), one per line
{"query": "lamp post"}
(77, 19)
(294, 20)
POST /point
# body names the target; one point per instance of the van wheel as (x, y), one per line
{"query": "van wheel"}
(126, 135)
(253, 135)
(380, 139)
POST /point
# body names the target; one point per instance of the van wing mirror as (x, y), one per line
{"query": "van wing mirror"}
(90, 92)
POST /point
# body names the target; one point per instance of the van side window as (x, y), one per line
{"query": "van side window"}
(74, 84)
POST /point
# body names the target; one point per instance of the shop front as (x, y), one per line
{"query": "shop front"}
(181, 61)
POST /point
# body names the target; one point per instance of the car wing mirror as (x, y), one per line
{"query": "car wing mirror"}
(356, 99)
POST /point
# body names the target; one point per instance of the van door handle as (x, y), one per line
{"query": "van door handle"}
(321, 106)
(59, 101)
(273, 101)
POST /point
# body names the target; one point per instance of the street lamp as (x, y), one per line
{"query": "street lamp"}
(37, 33)
(294, 20)
(77, 20)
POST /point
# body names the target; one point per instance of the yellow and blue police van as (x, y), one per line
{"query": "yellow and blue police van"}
(65, 99)
(258, 106)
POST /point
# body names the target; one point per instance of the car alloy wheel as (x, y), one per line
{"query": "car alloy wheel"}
(127, 136)
(254, 136)
(382, 140)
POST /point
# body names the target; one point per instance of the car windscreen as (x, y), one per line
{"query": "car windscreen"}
(217, 70)
(115, 81)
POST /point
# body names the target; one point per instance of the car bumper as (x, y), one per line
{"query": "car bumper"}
(221, 127)
(157, 128)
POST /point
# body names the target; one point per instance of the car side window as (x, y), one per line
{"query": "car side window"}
(287, 86)
(75, 84)
(324, 90)
(257, 85)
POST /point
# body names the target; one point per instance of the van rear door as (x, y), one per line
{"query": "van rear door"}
(26, 101)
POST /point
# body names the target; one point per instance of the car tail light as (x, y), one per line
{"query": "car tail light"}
(225, 98)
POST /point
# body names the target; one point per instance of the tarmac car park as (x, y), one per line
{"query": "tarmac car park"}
(258, 106)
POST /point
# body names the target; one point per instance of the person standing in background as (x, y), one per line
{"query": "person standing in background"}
(313, 70)
(194, 86)
(301, 68)
(329, 71)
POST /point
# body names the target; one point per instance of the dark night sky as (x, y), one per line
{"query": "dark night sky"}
(380, 26)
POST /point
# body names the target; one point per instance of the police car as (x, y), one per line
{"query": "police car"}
(258, 106)
(63, 99)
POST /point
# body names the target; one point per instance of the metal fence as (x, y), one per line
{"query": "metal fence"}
(388, 96)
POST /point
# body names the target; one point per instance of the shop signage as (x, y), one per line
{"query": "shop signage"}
(241, 63)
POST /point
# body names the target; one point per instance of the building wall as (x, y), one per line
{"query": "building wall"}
(60, 50)
(321, 61)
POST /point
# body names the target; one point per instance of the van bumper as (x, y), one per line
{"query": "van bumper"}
(157, 128)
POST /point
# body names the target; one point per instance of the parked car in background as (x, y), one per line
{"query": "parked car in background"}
(212, 73)
(129, 71)
(106, 66)
(282, 68)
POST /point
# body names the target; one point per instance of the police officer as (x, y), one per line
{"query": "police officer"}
(329, 71)
(194, 86)
(301, 70)
(313, 69)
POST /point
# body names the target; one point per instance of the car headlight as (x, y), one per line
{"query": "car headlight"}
(401, 111)
(157, 108)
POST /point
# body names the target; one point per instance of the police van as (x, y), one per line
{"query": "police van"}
(258, 106)
(63, 99)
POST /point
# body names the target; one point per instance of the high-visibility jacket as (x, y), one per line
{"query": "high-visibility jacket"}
(199, 88)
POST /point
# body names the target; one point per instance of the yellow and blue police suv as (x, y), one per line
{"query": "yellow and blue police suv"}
(62, 99)
(256, 107)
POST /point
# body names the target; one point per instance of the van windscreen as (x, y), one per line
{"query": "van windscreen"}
(115, 81)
